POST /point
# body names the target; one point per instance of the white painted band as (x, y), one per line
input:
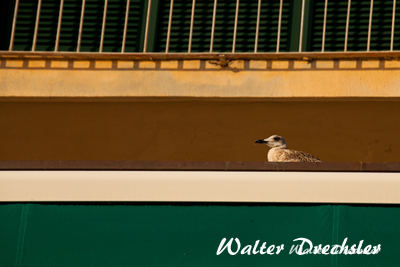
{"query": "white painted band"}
(300, 187)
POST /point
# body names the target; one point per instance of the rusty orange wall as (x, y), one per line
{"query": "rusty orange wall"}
(196, 129)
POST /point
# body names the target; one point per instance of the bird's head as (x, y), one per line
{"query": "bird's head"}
(273, 141)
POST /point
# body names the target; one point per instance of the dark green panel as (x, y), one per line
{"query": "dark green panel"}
(10, 228)
(189, 234)
(166, 235)
(295, 22)
(307, 25)
(374, 225)
(6, 18)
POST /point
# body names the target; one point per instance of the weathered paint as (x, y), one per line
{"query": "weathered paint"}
(260, 79)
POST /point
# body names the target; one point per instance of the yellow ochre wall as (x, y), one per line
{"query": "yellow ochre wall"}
(219, 129)
(262, 78)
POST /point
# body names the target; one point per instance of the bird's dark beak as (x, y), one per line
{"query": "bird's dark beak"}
(260, 141)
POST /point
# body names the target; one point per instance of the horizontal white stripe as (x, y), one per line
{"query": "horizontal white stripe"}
(306, 187)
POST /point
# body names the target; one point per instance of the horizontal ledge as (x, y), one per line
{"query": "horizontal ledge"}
(308, 56)
(142, 186)
(202, 166)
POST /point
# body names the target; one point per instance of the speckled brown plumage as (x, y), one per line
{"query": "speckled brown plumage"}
(289, 155)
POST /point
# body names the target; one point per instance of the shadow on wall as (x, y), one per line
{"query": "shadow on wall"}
(189, 129)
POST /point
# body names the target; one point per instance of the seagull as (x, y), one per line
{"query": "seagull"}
(280, 153)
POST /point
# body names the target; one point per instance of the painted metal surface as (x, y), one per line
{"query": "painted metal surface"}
(171, 234)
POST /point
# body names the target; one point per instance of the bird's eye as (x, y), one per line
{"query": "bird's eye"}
(276, 138)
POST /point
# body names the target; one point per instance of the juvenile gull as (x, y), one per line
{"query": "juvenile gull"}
(280, 153)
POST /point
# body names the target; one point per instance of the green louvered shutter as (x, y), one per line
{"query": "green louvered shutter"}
(224, 26)
(269, 21)
(114, 26)
(47, 29)
(91, 31)
(136, 26)
(70, 25)
(382, 25)
(25, 25)
(358, 25)
(180, 27)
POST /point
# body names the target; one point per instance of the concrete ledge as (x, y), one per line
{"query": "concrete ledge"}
(172, 186)
(202, 166)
